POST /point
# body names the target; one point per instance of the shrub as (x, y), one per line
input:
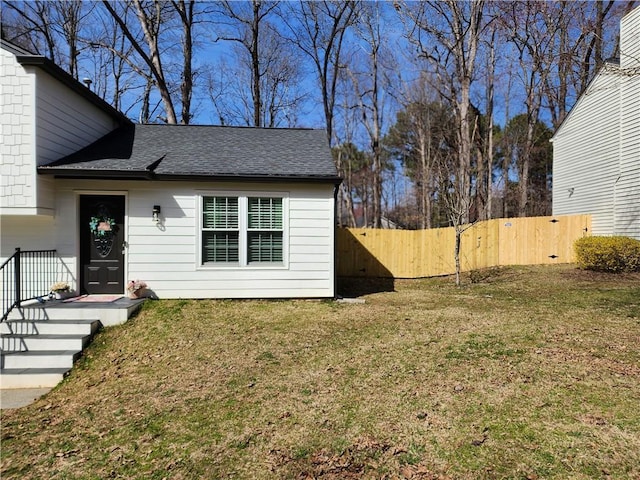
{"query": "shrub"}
(608, 254)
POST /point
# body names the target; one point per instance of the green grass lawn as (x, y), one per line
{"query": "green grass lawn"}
(528, 373)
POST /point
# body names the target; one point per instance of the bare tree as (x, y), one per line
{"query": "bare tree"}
(50, 28)
(532, 29)
(150, 17)
(354, 162)
(369, 87)
(582, 36)
(111, 59)
(485, 154)
(263, 84)
(33, 27)
(247, 24)
(155, 21)
(348, 160)
(318, 29)
(456, 35)
(69, 14)
(421, 137)
(447, 35)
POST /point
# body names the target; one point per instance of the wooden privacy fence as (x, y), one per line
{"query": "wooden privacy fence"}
(365, 252)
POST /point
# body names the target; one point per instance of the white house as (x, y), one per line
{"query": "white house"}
(596, 150)
(194, 211)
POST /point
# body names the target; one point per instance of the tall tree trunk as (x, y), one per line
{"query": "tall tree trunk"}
(456, 253)
(491, 66)
(151, 37)
(255, 65)
(464, 147)
(150, 27)
(424, 151)
(185, 10)
(145, 110)
(375, 140)
(523, 181)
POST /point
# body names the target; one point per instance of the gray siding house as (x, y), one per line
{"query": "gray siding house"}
(596, 150)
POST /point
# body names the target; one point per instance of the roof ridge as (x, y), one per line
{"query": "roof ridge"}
(246, 127)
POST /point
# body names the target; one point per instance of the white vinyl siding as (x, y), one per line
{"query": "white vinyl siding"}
(65, 121)
(627, 193)
(584, 170)
(168, 255)
(21, 231)
(18, 232)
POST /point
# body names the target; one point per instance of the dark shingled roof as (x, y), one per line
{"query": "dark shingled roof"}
(210, 152)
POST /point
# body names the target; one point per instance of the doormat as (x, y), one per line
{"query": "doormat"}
(94, 298)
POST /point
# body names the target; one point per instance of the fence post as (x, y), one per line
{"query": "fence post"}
(16, 272)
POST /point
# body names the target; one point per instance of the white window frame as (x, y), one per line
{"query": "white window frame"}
(243, 206)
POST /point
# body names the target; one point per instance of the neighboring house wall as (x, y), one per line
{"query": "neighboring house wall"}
(585, 171)
(42, 121)
(166, 256)
(596, 151)
(627, 194)
(17, 149)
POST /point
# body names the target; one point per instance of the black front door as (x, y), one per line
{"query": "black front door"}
(101, 240)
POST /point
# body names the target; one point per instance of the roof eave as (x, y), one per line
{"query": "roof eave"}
(149, 175)
(331, 179)
(89, 173)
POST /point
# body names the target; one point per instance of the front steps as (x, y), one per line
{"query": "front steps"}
(40, 342)
(39, 353)
(15, 378)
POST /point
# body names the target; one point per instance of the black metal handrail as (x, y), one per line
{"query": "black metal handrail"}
(26, 275)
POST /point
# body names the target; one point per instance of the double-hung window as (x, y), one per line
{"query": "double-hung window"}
(243, 230)
(264, 230)
(220, 230)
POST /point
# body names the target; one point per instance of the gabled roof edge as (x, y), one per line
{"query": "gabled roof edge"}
(610, 62)
(59, 74)
(13, 48)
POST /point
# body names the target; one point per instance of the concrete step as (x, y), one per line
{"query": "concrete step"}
(18, 342)
(50, 327)
(109, 314)
(39, 359)
(11, 378)
(39, 313)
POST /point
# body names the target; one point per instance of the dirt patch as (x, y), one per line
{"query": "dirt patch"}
(577, 274)
(361, 460)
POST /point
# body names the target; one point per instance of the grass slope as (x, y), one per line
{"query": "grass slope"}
(529, 373)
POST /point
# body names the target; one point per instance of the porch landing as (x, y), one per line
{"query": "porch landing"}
(111, 312)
